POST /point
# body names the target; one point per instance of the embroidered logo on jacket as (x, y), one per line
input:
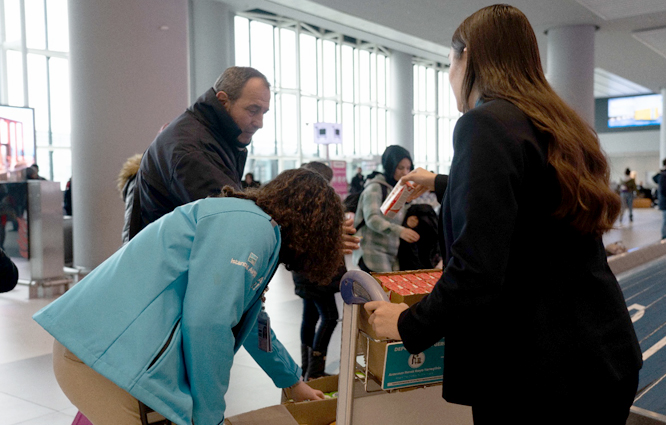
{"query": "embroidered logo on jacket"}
(252, 271)
(252, 259)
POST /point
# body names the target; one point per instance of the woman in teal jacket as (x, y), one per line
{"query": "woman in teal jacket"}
(161, 319)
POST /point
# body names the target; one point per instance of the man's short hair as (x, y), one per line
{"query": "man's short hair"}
(321, 168)
(233, 80)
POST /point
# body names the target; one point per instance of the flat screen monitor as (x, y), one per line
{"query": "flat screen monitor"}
(17, 138)
(635, 111)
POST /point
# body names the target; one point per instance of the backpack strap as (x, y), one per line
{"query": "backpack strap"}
(385, 187)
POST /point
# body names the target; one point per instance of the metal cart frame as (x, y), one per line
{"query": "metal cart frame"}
(358, 403)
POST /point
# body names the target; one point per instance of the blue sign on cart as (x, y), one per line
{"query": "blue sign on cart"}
(402, 369)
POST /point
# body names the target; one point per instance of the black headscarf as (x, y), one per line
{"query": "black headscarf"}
(390, 160)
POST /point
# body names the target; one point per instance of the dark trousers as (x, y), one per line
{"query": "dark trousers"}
(324, 311)
(604, 403)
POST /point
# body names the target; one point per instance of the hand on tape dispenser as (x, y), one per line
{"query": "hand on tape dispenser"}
(358, 287)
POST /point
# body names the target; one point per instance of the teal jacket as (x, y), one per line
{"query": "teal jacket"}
(164, 315)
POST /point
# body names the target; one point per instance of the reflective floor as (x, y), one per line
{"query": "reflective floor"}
(29, 394)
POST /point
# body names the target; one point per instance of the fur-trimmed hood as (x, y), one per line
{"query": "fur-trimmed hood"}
(128, 171)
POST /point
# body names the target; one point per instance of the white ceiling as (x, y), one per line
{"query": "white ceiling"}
(630, 45)
(616, 9)
(655, 39)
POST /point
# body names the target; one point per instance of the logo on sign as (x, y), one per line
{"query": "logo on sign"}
(416, 360)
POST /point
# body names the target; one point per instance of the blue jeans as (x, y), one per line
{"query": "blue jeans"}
(663, 226)
(627, 203)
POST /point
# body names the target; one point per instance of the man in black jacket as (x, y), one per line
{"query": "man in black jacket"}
(357, 182)
(203, 149)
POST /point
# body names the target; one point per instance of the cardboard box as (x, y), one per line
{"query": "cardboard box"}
(320, 412)
(274, 415)
(400, 290)
(408, 287)
(388, 361)
(306, 413)
(325, 384)
(316, 412)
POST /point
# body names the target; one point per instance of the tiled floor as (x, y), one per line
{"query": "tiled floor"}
(29, 394)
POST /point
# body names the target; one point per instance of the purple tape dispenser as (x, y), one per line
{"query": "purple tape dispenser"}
(358, 287)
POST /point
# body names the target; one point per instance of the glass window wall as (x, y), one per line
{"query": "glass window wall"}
(316, 76)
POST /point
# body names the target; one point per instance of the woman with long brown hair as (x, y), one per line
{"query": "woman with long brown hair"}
(160, 320)
(535, 324)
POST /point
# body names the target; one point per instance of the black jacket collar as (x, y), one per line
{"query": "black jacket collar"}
(211, 112)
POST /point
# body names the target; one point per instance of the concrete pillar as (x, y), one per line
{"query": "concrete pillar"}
(129, 76)
(571, 67)
(662, 128)
(401, 101)
(211, 43)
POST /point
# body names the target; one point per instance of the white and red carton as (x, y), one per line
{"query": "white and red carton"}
(396, 199)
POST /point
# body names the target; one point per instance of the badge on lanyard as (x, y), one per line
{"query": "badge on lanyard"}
(264, 333)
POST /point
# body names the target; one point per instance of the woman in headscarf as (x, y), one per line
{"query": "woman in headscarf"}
(380, 236)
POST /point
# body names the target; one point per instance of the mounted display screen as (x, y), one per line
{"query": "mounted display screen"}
(17, 138)
(635, 111)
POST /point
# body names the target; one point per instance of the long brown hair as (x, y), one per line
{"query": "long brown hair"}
(310, 216)
(503, 62)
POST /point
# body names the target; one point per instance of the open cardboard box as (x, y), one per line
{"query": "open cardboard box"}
(377, 351)
(317, 412)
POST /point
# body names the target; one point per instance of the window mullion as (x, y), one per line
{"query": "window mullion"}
(3, 55)
(299, 96)
(24, 53)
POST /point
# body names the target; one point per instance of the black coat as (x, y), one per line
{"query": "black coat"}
(8, 273)
(424, 253)
(194, 157)
(660, 179)
(525, 302)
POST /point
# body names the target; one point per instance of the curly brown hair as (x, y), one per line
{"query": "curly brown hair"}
(310, 216)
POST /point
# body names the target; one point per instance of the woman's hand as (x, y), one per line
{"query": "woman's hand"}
(303, 392)
(384, 318)
(409, 235)
(424, 181)
(349, 241)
